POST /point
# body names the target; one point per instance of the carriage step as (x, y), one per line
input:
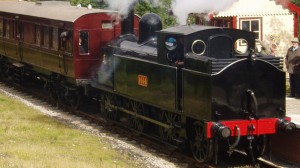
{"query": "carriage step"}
(179, 140)
(18, 64)
(17, 72)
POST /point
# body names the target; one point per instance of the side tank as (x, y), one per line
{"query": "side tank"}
(130, 67)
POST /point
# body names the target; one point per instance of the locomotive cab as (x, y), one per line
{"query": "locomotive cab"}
(194, 45)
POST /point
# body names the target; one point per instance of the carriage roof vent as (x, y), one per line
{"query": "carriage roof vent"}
(38, 3)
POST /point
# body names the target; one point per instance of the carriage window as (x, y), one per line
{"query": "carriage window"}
(240, 46)
(107, 25)
(37, 39)
(54, 38)
(69, 45)
(12, 29)
(253, 25)
(18, 30)
(6, 28)
(66, 40)
(45, 36)
(83, 42)
(30, 30)
(1, 26)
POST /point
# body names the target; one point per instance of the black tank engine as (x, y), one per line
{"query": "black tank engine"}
(196, 86)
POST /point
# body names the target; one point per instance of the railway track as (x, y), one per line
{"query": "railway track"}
(169, 152)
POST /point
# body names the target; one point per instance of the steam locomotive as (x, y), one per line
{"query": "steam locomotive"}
(196, 87)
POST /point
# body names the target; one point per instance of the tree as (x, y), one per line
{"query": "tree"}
(163, 11)
(296, 2)
(141, 8)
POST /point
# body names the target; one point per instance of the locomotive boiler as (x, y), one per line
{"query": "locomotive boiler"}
(196, 87)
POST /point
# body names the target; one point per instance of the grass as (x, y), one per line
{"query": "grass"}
(31, 139)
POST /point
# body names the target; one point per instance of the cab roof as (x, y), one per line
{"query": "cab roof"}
(187, 29)
(190, 29)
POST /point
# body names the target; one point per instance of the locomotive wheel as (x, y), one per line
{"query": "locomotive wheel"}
(134, 121)
(168, 134)
(54, 94)
(55, 89)
(76, 100)
(108, 102)
(201, 147)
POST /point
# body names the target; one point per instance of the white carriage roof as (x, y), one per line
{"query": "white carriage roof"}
(48, 9)
(247, 8)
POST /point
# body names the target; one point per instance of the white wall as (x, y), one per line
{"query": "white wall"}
(277, 30)
(277, 21)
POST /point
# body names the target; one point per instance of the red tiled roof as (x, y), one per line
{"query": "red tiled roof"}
(294, 8)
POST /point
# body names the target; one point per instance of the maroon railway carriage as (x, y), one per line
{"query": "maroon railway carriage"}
(44, 37)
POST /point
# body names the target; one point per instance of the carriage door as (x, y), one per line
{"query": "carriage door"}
(220, 47)
(19, 37)
(65, 50)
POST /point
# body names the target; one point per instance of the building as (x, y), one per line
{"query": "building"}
(273, 22)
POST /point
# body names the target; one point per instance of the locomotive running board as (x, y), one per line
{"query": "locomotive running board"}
(142, 117)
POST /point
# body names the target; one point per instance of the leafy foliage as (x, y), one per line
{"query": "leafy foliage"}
(141, 8)
(296, 2)
(162, 10)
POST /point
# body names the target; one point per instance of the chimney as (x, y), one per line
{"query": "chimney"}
(128, 22)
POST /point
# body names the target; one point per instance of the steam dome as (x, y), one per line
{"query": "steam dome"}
(149, 24)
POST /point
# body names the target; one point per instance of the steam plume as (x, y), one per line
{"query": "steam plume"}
(182, 8)
(124, 6)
